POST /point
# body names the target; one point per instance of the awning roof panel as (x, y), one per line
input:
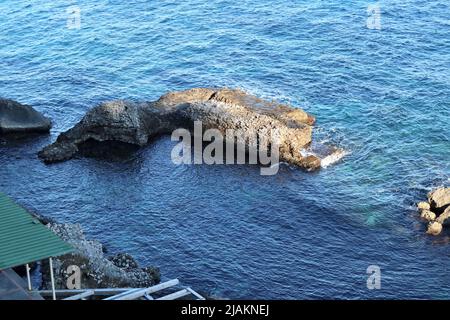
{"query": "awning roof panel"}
(23, 239)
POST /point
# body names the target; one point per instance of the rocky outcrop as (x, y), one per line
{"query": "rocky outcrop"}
(436, 211)
(439, 199)
(130, 124)
(97, 271)
(19, 118)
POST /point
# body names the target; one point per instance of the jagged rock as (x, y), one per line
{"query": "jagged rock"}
(19, 118)
(436, 210)
(124, 261)
(434, 228)
(444, 216)
(423, 205)
(428, 215)
(97, 271)
(135, 124)
(439, 199)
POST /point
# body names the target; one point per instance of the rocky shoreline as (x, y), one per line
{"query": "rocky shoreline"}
(436, 211)
(97, 269)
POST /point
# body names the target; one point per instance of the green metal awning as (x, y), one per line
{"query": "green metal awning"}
(23, 239)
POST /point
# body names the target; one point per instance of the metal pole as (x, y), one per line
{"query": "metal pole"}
(27, 267)
(52, 278)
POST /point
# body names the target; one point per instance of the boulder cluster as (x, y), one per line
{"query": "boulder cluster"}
(436, 211)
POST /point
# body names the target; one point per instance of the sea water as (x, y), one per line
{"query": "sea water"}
(377, 80)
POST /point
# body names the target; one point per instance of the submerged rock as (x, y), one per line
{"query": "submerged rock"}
(19, 118)
(436, 210)
(135, 124)
(97, 271)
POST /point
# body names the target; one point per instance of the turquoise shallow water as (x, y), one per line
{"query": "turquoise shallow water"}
(383, 95)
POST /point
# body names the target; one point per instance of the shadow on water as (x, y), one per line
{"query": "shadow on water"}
(108, 150)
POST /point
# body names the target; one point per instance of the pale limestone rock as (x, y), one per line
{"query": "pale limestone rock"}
(434, 228)
(222, 109)
(423, 205)
(428, 215)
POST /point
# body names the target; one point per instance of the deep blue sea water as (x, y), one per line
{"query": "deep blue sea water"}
(383, 95)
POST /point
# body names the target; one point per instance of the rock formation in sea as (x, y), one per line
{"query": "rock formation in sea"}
(436, 211)
(19, 118)
(126, 124)
(97, 270)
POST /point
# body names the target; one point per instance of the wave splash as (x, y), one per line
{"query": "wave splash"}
(336, 156)
(328, 154)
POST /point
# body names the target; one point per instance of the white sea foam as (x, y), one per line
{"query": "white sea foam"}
(330, 156)
(333, 158)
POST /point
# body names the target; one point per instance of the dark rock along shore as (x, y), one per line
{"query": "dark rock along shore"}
(19, 118)
(97, 269)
